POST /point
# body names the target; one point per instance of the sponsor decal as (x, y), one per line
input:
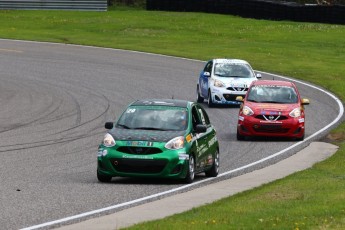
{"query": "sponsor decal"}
(204, 85)
(240, 118)
(212, 141)
(189, 137)
(202, 149)
(102, 152)
(183, 156)
(301, 120)
(269, 106)
(271, 122)
(130, 110)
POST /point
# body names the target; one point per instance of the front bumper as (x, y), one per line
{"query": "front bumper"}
(250, 126)
(168, 164)
(226, 96)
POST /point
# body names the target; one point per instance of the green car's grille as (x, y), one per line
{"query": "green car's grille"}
(138, 150)
(138, 165)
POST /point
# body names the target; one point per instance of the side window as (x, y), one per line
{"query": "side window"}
(208, 67)
(199, 116)
(203, 116)
(195, 117)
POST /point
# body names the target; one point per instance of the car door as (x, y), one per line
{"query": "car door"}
(204, 142)
(204, 79)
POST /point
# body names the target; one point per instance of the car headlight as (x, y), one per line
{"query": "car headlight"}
(218, 83)
(175, 143)
(108, 140)
(295, 113)
(247, 111)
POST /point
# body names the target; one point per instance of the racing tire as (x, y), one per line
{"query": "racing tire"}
(199, 98)
(214, 170)
(209, 100)
(103, 178)
(190, 171)
(239, 136)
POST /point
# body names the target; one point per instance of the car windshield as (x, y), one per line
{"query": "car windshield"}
(272, 94)
(162, 118)
(233, 70)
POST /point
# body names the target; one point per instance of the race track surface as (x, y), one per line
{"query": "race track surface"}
(55, 99)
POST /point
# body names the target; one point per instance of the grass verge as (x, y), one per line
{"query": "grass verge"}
(312, 199)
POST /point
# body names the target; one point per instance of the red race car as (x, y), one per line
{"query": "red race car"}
(273, 109)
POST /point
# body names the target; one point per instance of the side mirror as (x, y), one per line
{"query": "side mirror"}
(207, 74)
(200, 128)
(258, 75)
(109, 125)
(305, 101)
(239, 98)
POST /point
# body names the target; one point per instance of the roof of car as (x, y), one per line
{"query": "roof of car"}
(226, 60)
(272, 82)
(163, 102)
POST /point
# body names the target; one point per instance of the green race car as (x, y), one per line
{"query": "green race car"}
(159, 138)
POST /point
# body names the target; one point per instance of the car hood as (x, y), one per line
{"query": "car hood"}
(144, 135)
(259, 108)
(235, 81)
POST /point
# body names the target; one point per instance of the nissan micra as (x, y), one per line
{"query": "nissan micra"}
(272, 109)
(159, 138)
(222, 80)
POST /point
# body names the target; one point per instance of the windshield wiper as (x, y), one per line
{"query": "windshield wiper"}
(123, 126)
(274, 102)
(149, 128)
(221, 75)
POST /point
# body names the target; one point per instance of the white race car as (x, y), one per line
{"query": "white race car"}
(222, 80)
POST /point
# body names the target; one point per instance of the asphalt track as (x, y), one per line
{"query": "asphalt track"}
(55, 99)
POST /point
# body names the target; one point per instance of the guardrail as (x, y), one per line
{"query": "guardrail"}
(87, 5)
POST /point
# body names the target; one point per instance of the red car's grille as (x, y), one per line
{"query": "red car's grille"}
(138, 165)
(138, 150)
(270, 128)
(271, 117)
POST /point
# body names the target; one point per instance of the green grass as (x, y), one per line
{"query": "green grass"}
(312, 199)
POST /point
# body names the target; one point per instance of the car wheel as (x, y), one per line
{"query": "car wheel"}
(198, 97)
(103, 178)
(213, 172)
(190, 173)
(239, 136)
(210, 102)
